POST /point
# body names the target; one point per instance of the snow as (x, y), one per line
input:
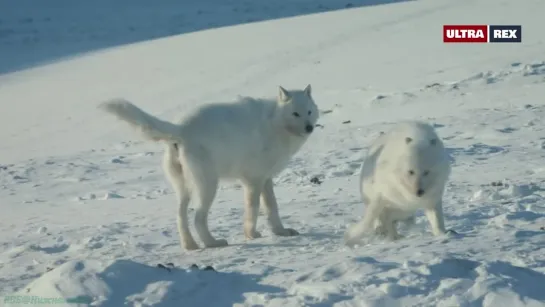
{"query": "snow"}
(87, 214)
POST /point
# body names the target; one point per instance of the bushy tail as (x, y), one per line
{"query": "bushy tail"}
(152, 127)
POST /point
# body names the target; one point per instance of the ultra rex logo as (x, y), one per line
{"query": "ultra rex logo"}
(482, 33)
(505, 34)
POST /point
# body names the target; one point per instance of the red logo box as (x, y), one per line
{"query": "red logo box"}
(465, 33)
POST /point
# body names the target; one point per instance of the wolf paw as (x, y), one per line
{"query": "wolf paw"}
(351, 241)
(216, 243)
(396, 237)
(190, 245)
(380, 231)
(350, 234)
(285, 232)
(252, 235)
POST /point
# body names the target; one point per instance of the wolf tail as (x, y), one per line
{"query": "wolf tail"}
(150, 126)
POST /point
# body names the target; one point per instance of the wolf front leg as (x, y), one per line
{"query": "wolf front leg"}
(436, 218)
(389, 225)
(252, 190)
(268, 199)
(366, 225)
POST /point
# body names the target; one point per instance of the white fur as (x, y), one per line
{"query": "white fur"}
(408, 158)
(249, 140)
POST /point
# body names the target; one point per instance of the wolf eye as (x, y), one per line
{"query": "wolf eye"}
(411, 172)
(295, 114)
(309, 112)
(425, 173)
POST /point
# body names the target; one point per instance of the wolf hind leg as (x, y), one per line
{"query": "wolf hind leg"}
(175, 175)
(205, 181)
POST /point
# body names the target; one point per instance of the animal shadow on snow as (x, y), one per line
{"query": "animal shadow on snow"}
(290, 242)
(55, 249)
(482, 151)
(502, 275)
(525, 282)
(99, 24)
(481, 215)
(525, 234)
(194, 288)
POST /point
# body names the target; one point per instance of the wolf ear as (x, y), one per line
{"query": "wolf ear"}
(283, 94)
(308, 90)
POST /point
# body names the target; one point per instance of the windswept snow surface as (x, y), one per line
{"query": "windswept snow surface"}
(87, 213)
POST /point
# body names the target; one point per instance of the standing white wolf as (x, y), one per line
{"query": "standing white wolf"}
(250, 140)
(405, 169)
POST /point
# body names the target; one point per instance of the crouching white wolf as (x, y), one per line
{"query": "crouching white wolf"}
(405, 169)
(249, 140)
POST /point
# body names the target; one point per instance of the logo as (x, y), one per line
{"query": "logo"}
(465, 33)
(482, 33)
(505, 34)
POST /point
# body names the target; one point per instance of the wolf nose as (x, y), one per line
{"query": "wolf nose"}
(309, 128)
(420, 192)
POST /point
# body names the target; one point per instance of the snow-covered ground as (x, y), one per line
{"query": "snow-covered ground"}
(87, 213)
(32, 33)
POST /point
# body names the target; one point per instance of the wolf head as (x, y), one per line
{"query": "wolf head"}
(424, 167)
(298, 111)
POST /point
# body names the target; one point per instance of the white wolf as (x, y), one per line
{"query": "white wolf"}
(249, 140)
(405, 169)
